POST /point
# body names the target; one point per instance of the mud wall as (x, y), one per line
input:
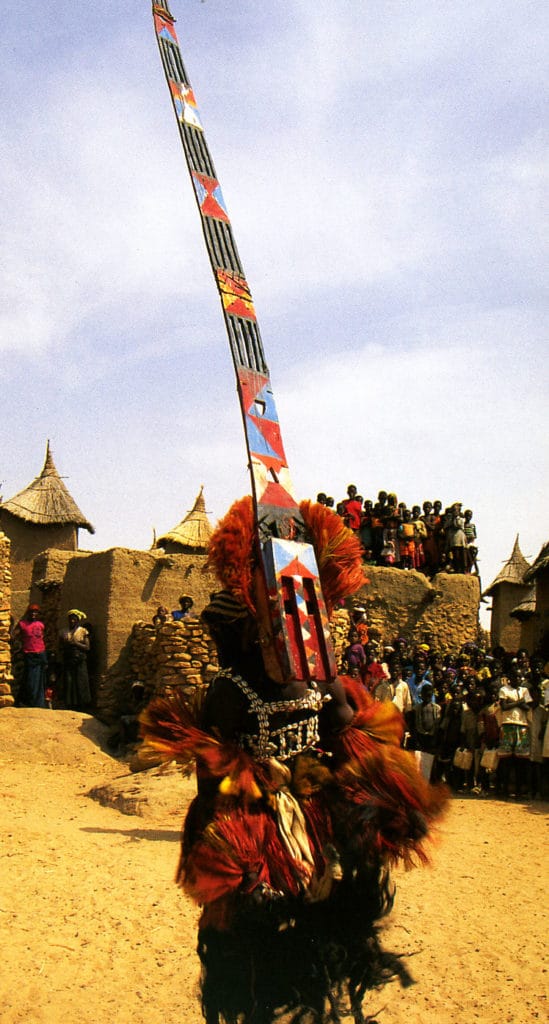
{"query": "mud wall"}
(49, 571)
(503, 629)
(120, 588)
(28, 541)
(141, 581)
(528, 633)
(115, 589)
(405, 603)
(541, 629)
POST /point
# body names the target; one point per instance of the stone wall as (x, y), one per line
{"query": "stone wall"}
(339, 632)
(176, 656)
(6, 679)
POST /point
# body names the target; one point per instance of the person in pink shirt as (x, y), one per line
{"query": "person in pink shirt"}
(31, 631)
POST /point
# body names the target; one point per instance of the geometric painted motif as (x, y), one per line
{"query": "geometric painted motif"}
(271, 476)
(210, 197)
(297, 611)
(164, 28)
(261, 418)
(185, 104)
(235, 294)
(302, 632)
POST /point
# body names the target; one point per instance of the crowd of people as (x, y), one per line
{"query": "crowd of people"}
(428, 538)
(476, 719)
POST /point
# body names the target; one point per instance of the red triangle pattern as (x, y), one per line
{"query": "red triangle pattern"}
(275, 494)
(271, 432)
(296, 568)
(160, 23)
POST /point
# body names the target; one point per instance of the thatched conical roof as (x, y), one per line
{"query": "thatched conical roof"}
(527, 606)
(193, 532)
(46, 501)
(540, 563)
(513, 571)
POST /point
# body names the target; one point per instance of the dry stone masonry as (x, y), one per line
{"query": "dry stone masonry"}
(178, 656)
(6, 679)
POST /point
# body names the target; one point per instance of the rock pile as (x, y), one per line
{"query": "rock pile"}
(339, 631)
(6, 678)
(176, 656)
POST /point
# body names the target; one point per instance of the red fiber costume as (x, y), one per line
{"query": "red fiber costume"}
(305, 799)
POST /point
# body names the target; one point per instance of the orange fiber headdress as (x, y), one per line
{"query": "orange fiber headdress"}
(337, 549)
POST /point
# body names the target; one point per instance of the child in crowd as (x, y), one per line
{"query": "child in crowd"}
(360, 623)
(373, 670)
(427, 724)
(514, 741)
(353, 655)
(489, 736)
(538, 723)
(449, 740)
(470, 739)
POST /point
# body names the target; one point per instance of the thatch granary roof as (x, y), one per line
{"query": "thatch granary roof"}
(540, 563)
(513, 571)
(193, 532)
(46, 501)
(526, 608)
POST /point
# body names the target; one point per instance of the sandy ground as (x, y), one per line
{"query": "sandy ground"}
(94, 930)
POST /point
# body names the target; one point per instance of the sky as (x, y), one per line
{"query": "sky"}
(384, 165)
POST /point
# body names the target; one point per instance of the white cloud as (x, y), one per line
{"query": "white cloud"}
(92, 219)
(448, 417)
(384, 171)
